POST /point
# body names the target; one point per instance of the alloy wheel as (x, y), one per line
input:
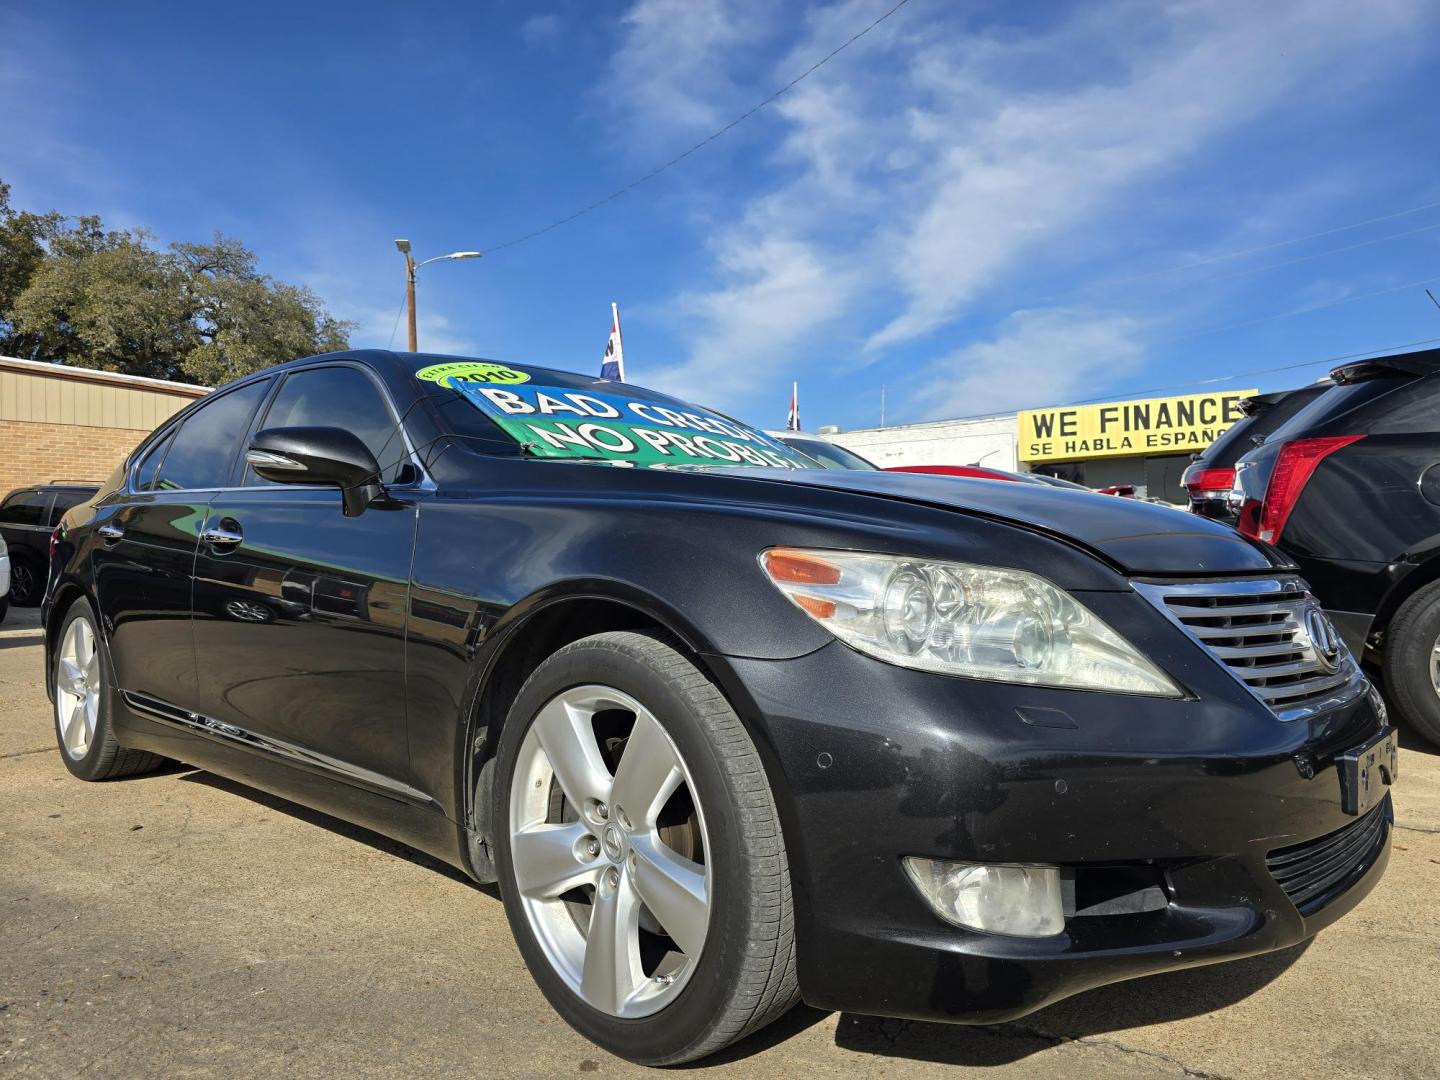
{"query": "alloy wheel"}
(1435, 666)
(22, 582)
(77, 688)
(609, 851)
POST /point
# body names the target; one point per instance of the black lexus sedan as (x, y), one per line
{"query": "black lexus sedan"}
(729, 730)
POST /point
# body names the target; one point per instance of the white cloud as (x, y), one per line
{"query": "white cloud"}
(381, 328)
(934, 162)
(777, 289)
(1016, 166)
(541, 27)
(1063, 354)
(672, 71)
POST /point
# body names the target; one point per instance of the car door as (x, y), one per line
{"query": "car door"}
(144, 539)
(300, 611)
(23, 517)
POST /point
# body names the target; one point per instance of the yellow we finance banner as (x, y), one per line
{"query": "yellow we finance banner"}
(1165, 425)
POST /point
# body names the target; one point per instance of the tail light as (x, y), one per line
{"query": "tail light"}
(54, 541)
(1295, 464)
(1201, 481)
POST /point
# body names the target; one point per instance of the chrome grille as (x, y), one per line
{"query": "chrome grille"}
(1271, 635)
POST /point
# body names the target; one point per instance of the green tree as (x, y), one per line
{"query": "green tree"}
(243, 320)
(72, 292)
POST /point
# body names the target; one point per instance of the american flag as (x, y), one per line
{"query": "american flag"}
(613, 365)
(792, 422)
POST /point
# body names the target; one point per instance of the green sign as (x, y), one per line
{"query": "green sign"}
(556, 422)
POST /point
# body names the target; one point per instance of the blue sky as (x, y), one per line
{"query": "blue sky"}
(979, 206)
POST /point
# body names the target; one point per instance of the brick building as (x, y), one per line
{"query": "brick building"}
(69, 423)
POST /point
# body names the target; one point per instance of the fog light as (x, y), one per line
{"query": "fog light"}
(1023, 901)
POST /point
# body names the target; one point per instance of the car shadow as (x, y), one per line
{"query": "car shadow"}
(1153, 999)
(332, 824)
(28, 638)
(1409, 740)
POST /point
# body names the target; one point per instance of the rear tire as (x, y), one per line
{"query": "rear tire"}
(1412, 662)
(617, 710)
(83, 706)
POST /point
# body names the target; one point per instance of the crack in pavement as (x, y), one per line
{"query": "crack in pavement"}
(22, 753)
(1114, 1044)
(891, 1031)
(1416, 828)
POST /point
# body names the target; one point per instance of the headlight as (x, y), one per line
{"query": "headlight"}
(978, 621)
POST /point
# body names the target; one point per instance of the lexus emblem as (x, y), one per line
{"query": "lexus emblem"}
(1323, 638)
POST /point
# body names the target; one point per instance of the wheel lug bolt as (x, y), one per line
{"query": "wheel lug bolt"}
(623, 818)
(612, 878)
(602, 811)
(592, 847)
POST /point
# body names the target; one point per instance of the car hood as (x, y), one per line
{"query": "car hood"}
(1137, 537)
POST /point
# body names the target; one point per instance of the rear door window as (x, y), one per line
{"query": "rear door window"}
(25, 508)
(1415, 410)
(147, 473)
(1334, 404)
(64, 500)
(204, 450)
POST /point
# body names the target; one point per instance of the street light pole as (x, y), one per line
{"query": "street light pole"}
(410, 300)
(411, 266)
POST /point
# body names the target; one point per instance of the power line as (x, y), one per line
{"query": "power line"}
(703, 142)
(1271, 247)
(396, 325)
(1122, 395)
(1384, 350)
(1308, 258)
(1296, 311)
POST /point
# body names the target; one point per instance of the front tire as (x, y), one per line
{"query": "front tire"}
(83, 707)
(639, 852)
(1412, 662)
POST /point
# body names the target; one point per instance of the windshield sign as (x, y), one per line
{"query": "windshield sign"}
(590, 425)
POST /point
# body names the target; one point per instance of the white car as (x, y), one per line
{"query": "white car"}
(4, 578)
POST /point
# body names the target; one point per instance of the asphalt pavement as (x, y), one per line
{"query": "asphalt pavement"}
(182, 925)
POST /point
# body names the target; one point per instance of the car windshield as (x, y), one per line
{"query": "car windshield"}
(828, 454)
(509, 409)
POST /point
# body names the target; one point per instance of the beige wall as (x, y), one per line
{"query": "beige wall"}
(59, 423)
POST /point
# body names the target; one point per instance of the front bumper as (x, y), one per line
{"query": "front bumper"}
(1194, 792)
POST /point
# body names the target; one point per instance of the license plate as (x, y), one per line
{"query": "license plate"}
(1367, 772)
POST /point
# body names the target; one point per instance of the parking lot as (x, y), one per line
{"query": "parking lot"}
(181, 925)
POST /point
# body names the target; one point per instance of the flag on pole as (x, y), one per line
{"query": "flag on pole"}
(613, 365)
(792, 422)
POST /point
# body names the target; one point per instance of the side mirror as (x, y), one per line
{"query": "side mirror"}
(318, 455)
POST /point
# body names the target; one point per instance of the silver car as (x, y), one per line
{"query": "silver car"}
(4, 579)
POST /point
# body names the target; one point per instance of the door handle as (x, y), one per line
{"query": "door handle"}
(226, 533)
(110, 532)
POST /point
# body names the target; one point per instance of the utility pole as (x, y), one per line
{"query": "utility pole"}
(411, 266)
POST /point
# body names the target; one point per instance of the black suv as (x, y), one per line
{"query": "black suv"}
(1211, 476)
(27, 518)
(1349, 489)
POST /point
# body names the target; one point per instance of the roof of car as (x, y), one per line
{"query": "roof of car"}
(1426, 362)
(407, 363)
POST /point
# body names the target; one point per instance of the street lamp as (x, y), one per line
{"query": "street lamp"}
(403, 246)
